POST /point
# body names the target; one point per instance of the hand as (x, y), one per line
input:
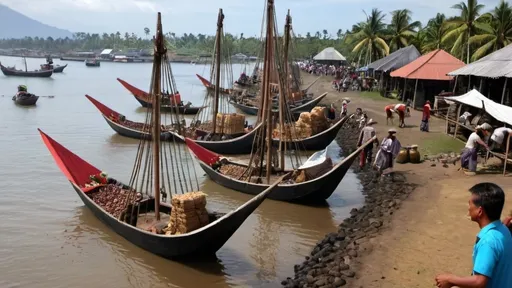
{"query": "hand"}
(507, 221)
(443, 281)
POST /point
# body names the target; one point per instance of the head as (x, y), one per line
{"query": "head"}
(392, 134)
(486, 202)
(428, 102)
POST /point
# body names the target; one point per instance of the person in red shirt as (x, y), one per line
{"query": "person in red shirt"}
(389, 113)
(426, 117)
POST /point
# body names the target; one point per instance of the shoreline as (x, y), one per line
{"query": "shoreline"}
(332, 261)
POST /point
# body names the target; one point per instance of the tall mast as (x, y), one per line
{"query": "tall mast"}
(25, 61)
(267, 94)
(217, 67)
(157, 71)
(282, 147)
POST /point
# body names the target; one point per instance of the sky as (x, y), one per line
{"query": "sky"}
(200, 16)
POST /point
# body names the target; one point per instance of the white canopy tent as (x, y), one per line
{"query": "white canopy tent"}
(475, 99)
(329, 54)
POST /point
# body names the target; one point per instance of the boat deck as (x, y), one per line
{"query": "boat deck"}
(147, 221)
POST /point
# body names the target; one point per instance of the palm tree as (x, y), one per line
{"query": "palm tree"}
(402, 30)
(464, 26)
(498, 34)
(146, 31)
(369, 36)
(434, 33)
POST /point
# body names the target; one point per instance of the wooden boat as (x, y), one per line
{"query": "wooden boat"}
(210, 86)
(99, 192)
(92, 63)
(26, 99)
(312, 191)
(315, 181)
(145, 101)
(13, 72)
(56, 69)
(306, 107)
(127, 128)
(203, 242)
(316, 142)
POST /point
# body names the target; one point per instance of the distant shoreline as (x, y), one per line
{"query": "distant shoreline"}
(143, 59)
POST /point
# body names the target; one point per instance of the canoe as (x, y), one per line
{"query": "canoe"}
(200, 243)
(145, 101)
(25, 100)
(309, 192)
(11, 72)
(239, 145)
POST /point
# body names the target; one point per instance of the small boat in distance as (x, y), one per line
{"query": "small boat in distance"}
(12, 71)
(49, 65)
(92, 63)
(24, 98)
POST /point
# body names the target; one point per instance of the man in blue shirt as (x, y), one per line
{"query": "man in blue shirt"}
(492, 253)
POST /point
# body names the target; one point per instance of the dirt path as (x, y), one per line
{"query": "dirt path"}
(431, 232)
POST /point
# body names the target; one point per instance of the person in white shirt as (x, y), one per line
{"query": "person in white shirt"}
(499, 138)
(469, 155)
(366, 134)
(389, 149)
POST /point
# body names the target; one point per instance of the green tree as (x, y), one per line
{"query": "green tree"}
(402, 29)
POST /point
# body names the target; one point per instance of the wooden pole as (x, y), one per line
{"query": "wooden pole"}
(282, 143)
(414, 97)
(405, 88)
(504, 89)
(506, 155)
(457, 122)
(269, 40)
(481, 84)
(455, 85)
(217, 71)
(159, 51)
(469, 83)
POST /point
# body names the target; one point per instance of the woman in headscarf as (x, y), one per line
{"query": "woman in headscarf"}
(389, 149)
(468, 160)
(426, 117)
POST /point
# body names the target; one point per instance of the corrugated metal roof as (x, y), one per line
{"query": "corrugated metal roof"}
(329, 54)
(106, 51)
(495, 65)
(396, 60)
(432, 66)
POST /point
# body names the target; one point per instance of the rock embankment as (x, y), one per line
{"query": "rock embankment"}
(330, 263)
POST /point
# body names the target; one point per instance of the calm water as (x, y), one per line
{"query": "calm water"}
(49, 239)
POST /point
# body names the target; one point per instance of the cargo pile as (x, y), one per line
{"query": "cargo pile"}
(112, 199)
(188, 213)
(233, 171)
(309, 124)
(230, 123)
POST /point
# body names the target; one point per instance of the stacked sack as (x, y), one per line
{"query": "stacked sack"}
(232, 123)
(188, 213)
(303, 126)
(318, 120)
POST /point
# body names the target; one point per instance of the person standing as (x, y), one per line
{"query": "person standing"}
(389, 149)
(469, 155)
(400, 110)
(492, 252)
(367, 133)
(331, 113)
(426, 117)
(389, 113)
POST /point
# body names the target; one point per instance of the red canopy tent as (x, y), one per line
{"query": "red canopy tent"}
(432, 66)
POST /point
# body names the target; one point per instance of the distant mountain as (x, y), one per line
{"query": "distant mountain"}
(16, 25)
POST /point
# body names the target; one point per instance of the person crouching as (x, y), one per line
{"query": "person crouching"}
(469, 157)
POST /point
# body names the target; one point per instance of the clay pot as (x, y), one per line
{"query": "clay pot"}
(414, 154)
(403, 155)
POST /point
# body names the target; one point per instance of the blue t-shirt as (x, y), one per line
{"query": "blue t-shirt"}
(492, 255)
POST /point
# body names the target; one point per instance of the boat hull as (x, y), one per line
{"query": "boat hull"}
(26, 101)
(201, 243)
(59, 69)
(167, 108)
(39, 74)
(306, 107)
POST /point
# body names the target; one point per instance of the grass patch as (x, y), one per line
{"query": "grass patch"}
(440, 143)
(374, 95)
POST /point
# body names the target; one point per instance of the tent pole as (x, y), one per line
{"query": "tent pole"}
(504, 89)
(457, 122)
(469, 83)
(506, 155)
(481, 84)
(414, 97)
(455, 85)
